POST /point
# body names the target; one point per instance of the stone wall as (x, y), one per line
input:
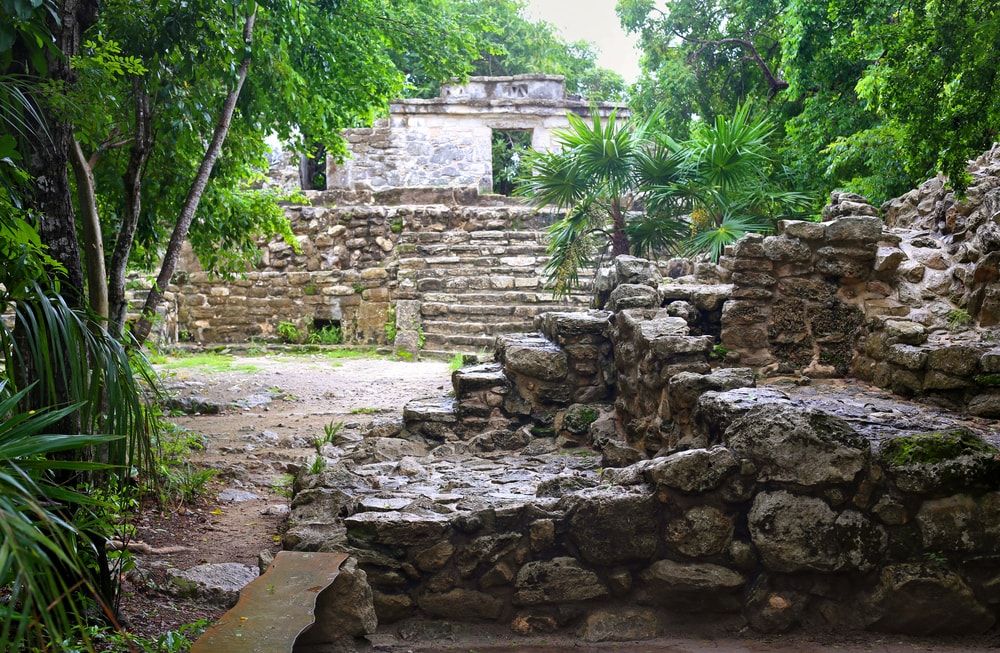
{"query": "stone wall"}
(755, 508)
(447, 141)
(358, 254)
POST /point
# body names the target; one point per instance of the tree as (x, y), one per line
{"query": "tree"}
(870, 96)
(187, 94)
(510, 44)
(629, 187)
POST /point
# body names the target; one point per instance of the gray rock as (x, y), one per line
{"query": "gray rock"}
(397, 528)
(854, 229)
(232, 495)
(985, 405)
(617, 454)
(785, 250)
(630, 269)
(694, 470)
(905, 331)
(219, 582)
(956, 360)
(801, 446)
(961, 523)
(385, 427)
(941, 462)
(533, 356)
(611, 526)
(667, 577)
(630, 295)
(797, 533)
(715, 411)
(462, 605)
(701, 531)
(920, 599)
(560, 580)
(626, 624)
(345, 609)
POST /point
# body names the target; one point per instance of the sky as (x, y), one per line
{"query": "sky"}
(594, 21)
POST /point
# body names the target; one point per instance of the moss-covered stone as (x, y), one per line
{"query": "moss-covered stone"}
(933, 447)
(942, 462)
(988, 380)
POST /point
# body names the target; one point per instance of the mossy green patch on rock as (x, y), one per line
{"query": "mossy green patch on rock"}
(989, 380)
(933, 447)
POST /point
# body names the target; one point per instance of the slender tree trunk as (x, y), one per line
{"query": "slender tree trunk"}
(155, 296)
(93, 241)
(619, 239)
(142, 145)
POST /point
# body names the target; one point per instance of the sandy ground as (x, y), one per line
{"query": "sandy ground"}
(275, 405)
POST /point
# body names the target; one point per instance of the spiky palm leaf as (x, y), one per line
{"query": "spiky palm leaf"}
(42, 576)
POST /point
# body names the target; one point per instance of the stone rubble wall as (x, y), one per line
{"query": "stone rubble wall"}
(756, 509)
(474, 267)
(903, 304)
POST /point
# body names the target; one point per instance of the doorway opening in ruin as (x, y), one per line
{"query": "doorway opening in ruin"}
(510, 146)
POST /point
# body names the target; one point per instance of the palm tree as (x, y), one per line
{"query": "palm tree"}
(728, 185)
(628, 187)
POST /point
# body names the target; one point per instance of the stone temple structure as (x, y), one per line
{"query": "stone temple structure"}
(446, 141)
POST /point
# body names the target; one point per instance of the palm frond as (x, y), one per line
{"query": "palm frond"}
(653, 234)
(714, 240)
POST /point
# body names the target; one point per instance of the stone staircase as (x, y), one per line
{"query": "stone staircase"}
(477, 284)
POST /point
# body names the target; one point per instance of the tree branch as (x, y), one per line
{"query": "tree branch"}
(775, 83)
(172, 253)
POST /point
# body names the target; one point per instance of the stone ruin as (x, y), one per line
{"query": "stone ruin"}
(616, 472)
(407, 231)
(447, 141)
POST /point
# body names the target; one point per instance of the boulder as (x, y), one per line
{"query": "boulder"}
(941, 462)
(462, 605)
(344, 609)
(613, 525)
(631, 269)
(560, 580)
(693, 471)
(219, 582)
(797, 533)
(533, 356)
(632, 295)
(673, 582)
(854, 229)
(701, 531)
(715, 411)
(917, 599)
(961, 523)
(801, 446)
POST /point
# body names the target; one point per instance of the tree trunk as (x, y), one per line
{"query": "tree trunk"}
(155, 296)
(142, 145)
(93, 241)
(49, 160)
(619, 239)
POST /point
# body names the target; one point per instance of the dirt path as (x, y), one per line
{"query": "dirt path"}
(270, 410)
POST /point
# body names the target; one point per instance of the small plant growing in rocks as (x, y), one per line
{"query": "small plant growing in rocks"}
(331, 435)
(959, 318)
(289, 333)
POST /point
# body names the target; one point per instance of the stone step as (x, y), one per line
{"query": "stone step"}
(478, 377)
(431, 310)
(484, 236)
(459, 342)
(507, 297)
(432, 409)
(474, 328)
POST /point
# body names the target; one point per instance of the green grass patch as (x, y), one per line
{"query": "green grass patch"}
(206, 362)
(364, 410)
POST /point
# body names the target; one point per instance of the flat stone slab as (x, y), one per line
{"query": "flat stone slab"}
(434, 409)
